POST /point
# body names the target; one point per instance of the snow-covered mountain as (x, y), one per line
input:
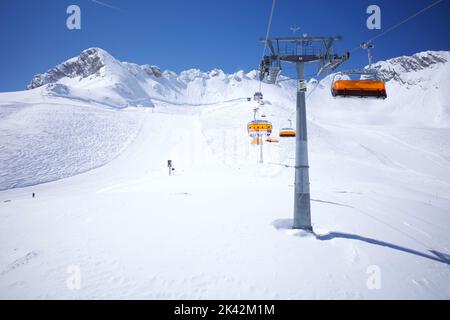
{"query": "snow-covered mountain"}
(416, 86)
(92, 136)
(397, 68)
(95, 73)
(97, 63)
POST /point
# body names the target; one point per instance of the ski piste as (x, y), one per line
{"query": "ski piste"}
(93, 149)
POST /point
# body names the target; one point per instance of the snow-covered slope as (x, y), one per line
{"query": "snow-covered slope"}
(219, 228)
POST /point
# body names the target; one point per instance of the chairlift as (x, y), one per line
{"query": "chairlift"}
(369, 84)
(359, 88)
(288, 132)
(258, 97)
(273, 140)
(259, 127)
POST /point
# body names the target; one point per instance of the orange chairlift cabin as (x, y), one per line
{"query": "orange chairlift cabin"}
(273, 140)
(368, 85)
(258, 128)
(288, 132)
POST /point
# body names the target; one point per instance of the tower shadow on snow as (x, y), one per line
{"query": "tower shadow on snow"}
(286, 224)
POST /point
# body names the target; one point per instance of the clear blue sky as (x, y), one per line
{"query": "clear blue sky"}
(204, 34)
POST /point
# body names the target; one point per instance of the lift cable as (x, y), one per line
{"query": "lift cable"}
(400, 23)
(269, 26)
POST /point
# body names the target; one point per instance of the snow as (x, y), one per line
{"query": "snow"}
(220, 227)
(54, 139)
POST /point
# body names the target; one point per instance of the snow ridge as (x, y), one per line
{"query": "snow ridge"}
(396, 68)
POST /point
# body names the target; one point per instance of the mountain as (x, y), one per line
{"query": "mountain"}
(129, 84)
(96, 76)
(397, 68)
(91, 139)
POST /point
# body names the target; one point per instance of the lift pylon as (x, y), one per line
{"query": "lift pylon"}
(301, 50)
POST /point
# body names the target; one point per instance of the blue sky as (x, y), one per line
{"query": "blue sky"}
(204, 34)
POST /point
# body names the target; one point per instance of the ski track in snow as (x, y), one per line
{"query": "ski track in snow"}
(59, 141)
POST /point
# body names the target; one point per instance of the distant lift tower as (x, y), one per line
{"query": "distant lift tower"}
(300, 50)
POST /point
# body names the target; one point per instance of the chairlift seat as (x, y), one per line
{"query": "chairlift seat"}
(258, 96)
(287, 133)
(273, 140)
(359, 88)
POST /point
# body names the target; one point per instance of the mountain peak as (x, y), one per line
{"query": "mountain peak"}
(89, 62)
(393, 69)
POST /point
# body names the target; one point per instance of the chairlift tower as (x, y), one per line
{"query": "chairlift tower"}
(300, 51)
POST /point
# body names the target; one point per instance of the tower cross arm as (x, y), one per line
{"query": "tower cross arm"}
(301, 39)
